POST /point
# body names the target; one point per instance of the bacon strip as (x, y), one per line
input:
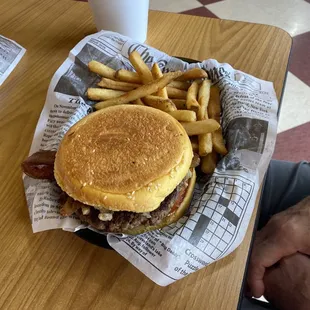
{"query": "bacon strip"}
(40, 165)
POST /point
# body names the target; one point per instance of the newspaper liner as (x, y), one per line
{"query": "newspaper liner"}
(222, 205)
(10, 55)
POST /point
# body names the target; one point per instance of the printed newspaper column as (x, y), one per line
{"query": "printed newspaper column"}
(10, 55)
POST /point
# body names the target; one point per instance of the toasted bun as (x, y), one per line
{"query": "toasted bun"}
(170, 218)
(123, 158)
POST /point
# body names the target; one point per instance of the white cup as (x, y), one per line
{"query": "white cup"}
(127, 17)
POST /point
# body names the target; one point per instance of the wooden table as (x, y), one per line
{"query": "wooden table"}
(56, 269)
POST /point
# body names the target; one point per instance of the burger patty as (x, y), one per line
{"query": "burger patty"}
(124, 220)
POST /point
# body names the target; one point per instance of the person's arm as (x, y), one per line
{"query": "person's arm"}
(286, 233)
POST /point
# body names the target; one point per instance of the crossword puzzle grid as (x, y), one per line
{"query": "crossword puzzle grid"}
(215, 215)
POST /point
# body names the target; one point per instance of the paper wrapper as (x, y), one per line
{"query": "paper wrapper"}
(222, 205)
(10, 55)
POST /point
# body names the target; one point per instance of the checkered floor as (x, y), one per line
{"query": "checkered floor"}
(292, 16)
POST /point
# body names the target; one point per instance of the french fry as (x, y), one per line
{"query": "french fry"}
(194, 143)
(208, 163)
(141, 67)
(195, 161)
(200, 127)
(103, 94)
(128, 76)
(214, 111)
(160, 103)
(138, 102)
(117, 85)
(180, 104)
(218, 119)
(214, 106)
(203, 99)
(133, 77)
(156, 72)
(218, 142)
(205, 144)
(180, 85)
(176, 93)
(107, 103)
(193, 74)
(191, 99)
(184, 116)
(101, 69)
(141, 91)
(205, 140)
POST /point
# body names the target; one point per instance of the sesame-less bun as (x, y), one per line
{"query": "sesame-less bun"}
(174, 217)
(123, 158)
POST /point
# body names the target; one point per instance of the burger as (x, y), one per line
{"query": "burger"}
(126, 169)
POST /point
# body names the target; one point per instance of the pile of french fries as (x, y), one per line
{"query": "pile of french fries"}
(187, 96)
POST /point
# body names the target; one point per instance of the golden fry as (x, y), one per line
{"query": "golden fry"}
(214, 106)
(142, 91)
(141, 67)
(117, 85)
(103, 94)
(208, 163)
(205, 144)
(133, 77)
(194, 143)
(201, 127)
(191, 99)
(205, 140)
(195, 161)
(180, 85)
(218, 119)
(193, 74)
(160, 103)
(218, 142)
(180, 104)
(106, 104)
(176, 93)
(156, 72)
(101, 69)
(203, 99)
(128, 76)
(138, 102)
(184, 116)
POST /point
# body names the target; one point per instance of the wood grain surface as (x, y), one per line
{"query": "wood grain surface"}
(56, 269)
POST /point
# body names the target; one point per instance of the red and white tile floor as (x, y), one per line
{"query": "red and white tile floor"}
(293, 141)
